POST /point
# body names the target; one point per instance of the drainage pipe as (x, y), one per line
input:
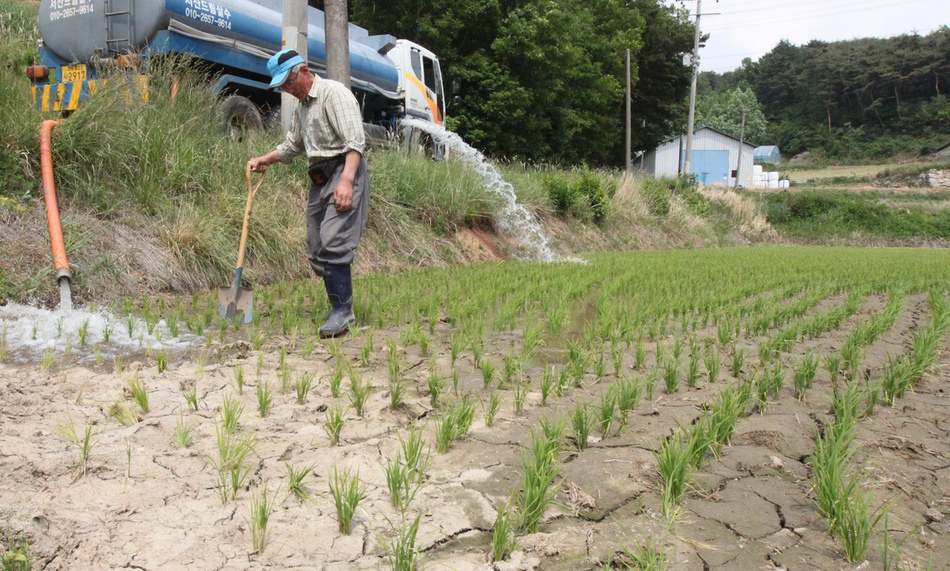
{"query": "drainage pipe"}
(60, 261)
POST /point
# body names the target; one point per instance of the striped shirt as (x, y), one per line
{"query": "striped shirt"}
(332, 124)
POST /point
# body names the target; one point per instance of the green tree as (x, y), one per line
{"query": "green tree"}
(723, 110)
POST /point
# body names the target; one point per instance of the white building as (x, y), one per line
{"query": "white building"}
(715, 158)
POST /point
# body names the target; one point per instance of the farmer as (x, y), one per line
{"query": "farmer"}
(328, 127)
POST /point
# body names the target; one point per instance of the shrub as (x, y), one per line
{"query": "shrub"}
(591, 187)
(560, 192)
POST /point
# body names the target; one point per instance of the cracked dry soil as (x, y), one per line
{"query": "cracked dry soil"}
(750, 508)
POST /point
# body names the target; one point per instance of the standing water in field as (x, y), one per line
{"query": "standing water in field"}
(27, 333)
(514, 219)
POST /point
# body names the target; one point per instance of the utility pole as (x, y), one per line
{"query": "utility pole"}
(688, 160)
(294, 25)
(628, 159)
(337, 26)
(741, 146)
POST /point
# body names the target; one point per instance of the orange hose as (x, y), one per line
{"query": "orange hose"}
(60, 261)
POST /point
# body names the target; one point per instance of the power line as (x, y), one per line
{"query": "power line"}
(815, 15)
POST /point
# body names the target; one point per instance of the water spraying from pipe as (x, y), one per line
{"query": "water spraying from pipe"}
(65, 295)
(514, 219)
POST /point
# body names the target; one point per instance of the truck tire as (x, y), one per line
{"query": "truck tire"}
(240, 116)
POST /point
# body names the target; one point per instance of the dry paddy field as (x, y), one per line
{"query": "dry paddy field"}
(767, 408)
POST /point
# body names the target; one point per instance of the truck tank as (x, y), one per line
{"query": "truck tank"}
(80, 30)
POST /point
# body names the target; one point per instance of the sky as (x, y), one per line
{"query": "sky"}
(751, 28)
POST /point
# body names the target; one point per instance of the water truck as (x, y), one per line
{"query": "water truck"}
(86, 43)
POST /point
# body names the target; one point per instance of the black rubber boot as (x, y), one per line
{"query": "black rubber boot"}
(339, 283)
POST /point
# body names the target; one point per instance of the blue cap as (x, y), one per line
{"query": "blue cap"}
(280, 66)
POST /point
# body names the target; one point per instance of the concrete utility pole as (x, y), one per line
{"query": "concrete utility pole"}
(628, 159)
(741, 145)
(337, 26)
(688, 160)
(294, 25)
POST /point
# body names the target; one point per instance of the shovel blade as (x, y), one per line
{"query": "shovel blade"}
(236, 304)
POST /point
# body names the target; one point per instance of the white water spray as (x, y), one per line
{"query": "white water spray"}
(29, 331)
(514, 219)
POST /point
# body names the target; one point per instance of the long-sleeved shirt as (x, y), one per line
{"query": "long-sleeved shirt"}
(327, 124)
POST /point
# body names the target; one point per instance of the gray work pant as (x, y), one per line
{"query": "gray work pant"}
(332, 237)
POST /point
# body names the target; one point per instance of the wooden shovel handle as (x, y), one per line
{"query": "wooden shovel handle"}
(251, 191)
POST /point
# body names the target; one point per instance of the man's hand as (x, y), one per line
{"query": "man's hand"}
(258, 164)
(343, 195)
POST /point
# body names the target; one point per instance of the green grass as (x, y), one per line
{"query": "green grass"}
(232, 462)
(815, 215)
(334, 424)
(139, 393)
(581, 422)
(231, 410)
(503, 538)
(295, 480)
(538, 471)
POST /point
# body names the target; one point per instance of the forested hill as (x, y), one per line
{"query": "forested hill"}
(543, 80)
(862, 98)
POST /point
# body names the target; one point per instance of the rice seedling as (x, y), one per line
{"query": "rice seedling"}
(259, 366)
(531, 339)
(401, 483)
(538, 471)
(83, 444)
(671, 376)
(650, 383)
(83, 332)
(512, 368)
(183, 437)
(488, 373)
(190, 392)
(231, 463)
(713, 364)
(491, 408)
(805, 374)
(48, 358)
(692, 369)
(546, 384)
(455, 381)
(562, 381)
(415, 453)
(896, 378)
(359, 393)
(284, 375)
(503, 538)
(347, 492)
(161, 362)
(295, 480)
(520, 393)
(872, 396)
(334, 424)
(639, 355)
(239, 379)
(646, 557)
(402, 552)
(605, 417)
(476, 348)
(436, 385)
(139, 393)
(231, 410)
(738, 360)
(302, 386)
(674, 466)
(122, 414)
(581, 422)
(456, 344)
(616, 357)
(264, 398)
(16, 557)
(628, 398)
(260, 508)
(106, 333)
(366, 351)
(577, 364)
(600, 367)
(336, 381)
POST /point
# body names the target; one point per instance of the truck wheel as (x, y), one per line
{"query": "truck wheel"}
(240, 116)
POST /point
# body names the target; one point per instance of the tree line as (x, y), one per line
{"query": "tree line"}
(863, 98)
(543, 80)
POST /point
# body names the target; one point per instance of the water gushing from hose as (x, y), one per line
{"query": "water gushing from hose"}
(514, 219)
(65, 295)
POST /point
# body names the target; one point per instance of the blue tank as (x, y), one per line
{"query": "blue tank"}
(236, 34)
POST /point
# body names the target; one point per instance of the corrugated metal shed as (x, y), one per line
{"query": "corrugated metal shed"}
(767, 154)
(667, 158)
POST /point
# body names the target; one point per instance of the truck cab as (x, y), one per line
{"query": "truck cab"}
(420, 81)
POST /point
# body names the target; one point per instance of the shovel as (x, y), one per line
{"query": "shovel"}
(235, 299)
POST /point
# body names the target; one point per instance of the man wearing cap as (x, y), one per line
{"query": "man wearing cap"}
(328, 127)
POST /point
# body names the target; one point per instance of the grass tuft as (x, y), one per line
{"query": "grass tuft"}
(347, 492)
